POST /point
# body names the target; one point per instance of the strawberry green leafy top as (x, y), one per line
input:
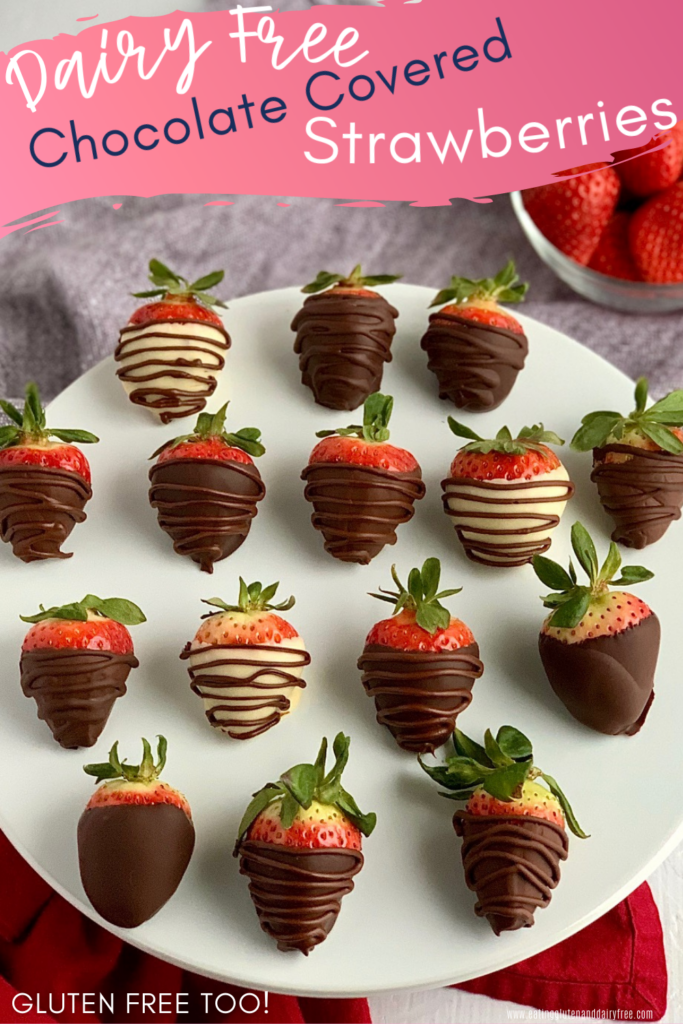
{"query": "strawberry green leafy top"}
(356, 279)
(208, 425)
(528, 439)
(146, 771)
(304, 783)
(501, 767)
(375, 427)
(504, 287)
(253, 597)
(29, 427)
(169, 283)
(421, 596)
(571, 601)
(116, 608)
(598, 428)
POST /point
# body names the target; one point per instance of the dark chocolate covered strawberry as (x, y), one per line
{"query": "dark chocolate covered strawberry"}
(344, 333)
(512, 827)
(172, 350)
(44, 483)
(420, 665)
(361, 487)
(135, 838)
(205, 487)
(599, 646)
(475, 347)
(75, 661)
(505, 495)
(299, 844)
(637, 465)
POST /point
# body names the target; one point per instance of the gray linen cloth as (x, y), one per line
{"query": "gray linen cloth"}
(66, 289)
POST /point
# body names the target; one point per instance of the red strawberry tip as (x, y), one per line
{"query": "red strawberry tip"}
(169, 285)
(356, 281)
(421, 596)
(211, 426)
(298, 787)
(504, 287)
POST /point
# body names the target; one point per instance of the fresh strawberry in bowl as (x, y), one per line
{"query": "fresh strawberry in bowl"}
(637, 465)
(361, 486)
(655, 235)
(75, 660)
(299, 843)
(205, 488)
(505, 495)
(653, 167)
(475, 347)
(172, 350)
(513, 826)
(344, 332)
(419, 666)
(599, 646)
(246, 662)
(45, 481)
(135, 838)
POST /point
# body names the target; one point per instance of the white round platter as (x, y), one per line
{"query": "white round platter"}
(409, 922)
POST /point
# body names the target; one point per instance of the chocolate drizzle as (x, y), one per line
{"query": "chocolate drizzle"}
(39, 507)
(172, 373)
(132, 858)
(205, 506)
(512, 863)
(475, 364)
(297, 893)
(343, 342)
(419, 694)
(75, 690)
(247, 688)
(606, 682)
(358, 508)
(496, 527)
(643, 494)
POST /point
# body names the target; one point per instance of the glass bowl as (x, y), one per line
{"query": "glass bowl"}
(627, 296)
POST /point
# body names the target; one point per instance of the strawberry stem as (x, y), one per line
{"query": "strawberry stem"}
(147, 771)
(356, 279)
(170, 285)
(375, 427)
(116, 608)
(421, 596)
(209, 425)
(654, 424)
(29, 426)
(253, 597)
(504, 287)
(529, 439)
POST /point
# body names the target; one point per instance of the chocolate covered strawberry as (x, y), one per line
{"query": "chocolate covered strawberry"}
(637, 465)
(44, 483)
(361, 487)
(75, 660)
(172, 350)
(205, 487)
(299, 843)
(420, 665)
(599, 646)
(506, 495)
(246, 662)
(573, 212)
(344, 333)
(475, 347)
(135, 838)
(513, 826)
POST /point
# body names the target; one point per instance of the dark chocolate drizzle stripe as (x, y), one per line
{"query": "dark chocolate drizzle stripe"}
(343, 343)
(475, 364)
(358, 508)
(202, 354)
(75, 690)
(419, 694)
(206, 523)
(642, 495)
(479, 542)
(203, 680)
(512, 863)
(298, 893)
(39, 507)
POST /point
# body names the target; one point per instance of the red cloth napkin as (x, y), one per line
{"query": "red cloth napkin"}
(49, 949)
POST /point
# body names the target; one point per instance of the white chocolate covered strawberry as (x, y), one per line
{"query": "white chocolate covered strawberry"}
(246, 663)
(506, 495)
(172, 350)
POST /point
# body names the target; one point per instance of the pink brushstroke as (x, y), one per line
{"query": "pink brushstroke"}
(364, 203)
(39, 226)
(90, 17)
(220, 202)
(117, 206)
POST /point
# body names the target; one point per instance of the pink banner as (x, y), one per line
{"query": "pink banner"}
(418, 101)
